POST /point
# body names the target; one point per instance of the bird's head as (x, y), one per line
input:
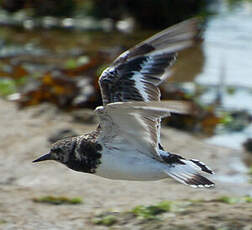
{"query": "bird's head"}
(61, 151)
(76, 153)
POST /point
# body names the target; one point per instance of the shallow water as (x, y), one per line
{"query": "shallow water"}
(227, 49)
(228, 57)
(228, 46)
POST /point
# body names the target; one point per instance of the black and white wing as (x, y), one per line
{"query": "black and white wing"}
(135, 122)
(136, 74)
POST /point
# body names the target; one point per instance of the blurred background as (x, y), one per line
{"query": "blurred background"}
(52, 53)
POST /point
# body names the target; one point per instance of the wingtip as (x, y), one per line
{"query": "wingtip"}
(203, 167)
(195, 24)
(198, 181)
(193, 180)
(188, 172)
(208, 186)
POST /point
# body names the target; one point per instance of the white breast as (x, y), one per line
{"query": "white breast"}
(125, 163)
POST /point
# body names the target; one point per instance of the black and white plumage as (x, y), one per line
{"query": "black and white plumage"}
(126, 144)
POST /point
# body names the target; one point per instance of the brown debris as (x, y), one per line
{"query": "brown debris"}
(61, 86)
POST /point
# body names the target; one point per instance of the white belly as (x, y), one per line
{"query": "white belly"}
(129, 165)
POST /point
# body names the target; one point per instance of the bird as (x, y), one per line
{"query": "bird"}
(126, 144)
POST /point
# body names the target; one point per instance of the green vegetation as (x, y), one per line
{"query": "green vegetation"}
(228, 200)
(7, 87)
(71, 63)
(250, 170)
(247, 199)
(152, 211)
(234, 200)
(226, 119)
(231, 90)
(3, 221)
(107, 220)
(153, 216)
(58, 200)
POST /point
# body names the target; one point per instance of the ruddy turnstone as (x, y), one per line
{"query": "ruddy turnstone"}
(126, 144)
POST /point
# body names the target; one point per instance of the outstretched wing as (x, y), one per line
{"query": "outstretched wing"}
(136, 74)
(135, 122)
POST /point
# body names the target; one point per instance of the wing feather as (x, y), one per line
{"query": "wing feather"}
(136, 74)
(136, 122)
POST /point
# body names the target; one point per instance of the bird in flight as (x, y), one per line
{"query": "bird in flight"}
(126, 144)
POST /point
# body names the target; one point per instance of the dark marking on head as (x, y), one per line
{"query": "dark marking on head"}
(62, 149)
(86, 156)
(81, 153)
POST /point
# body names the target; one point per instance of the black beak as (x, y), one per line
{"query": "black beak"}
(45, 157)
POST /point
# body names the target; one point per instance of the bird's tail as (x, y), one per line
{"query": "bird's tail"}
(188, 171)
